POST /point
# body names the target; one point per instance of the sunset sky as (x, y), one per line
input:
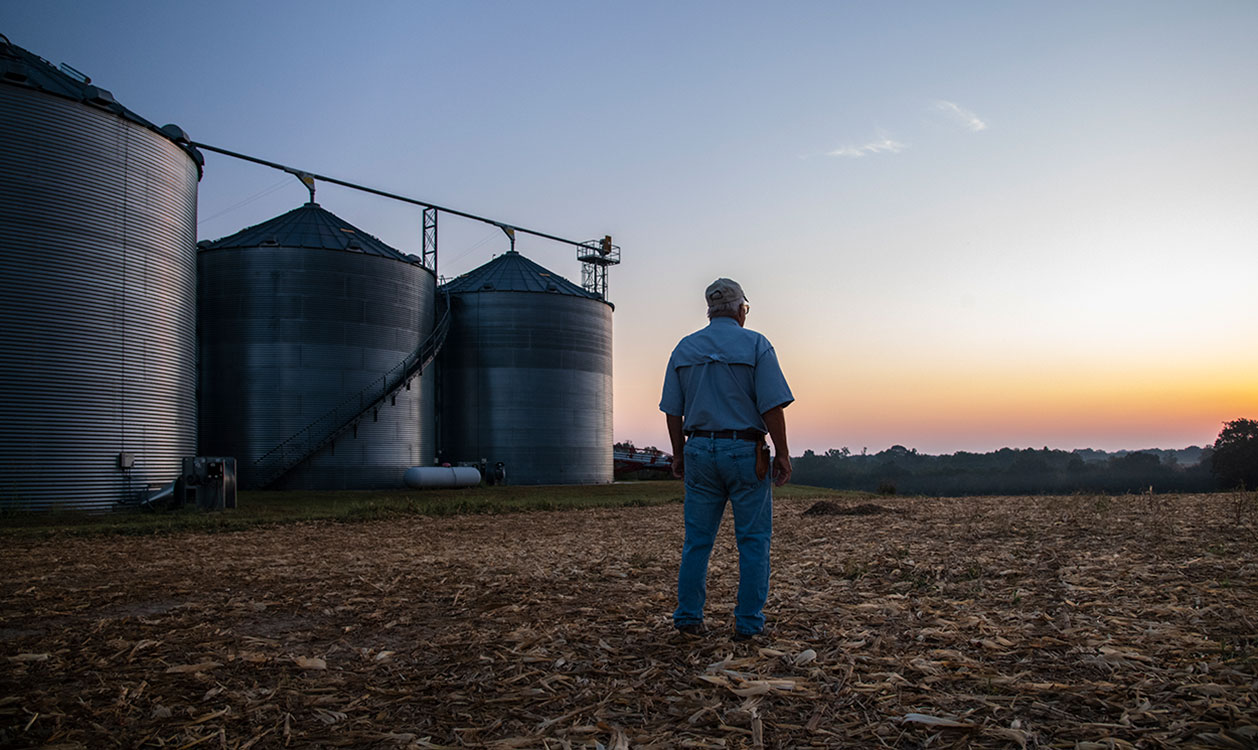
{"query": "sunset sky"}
(964, 226)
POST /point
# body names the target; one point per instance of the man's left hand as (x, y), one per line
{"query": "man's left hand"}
(781, 469)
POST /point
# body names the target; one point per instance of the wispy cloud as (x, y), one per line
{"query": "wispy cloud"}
(960, 115)
(883, 144)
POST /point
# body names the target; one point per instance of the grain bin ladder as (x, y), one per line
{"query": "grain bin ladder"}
(281, 459)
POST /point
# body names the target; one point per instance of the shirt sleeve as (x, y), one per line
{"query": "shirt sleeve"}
(771, 387)
(672, 401)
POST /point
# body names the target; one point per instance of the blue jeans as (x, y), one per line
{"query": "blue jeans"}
(717, 471)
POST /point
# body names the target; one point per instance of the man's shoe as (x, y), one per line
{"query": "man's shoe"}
(741, 636)
(694, 628)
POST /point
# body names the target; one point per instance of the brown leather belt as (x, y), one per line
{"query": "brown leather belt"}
(748, 435)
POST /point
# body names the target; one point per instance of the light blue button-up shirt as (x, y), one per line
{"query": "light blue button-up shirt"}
(723, 377)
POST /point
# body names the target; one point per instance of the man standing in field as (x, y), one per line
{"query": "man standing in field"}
(723, 391)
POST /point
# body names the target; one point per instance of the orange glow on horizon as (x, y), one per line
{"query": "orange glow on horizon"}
(946, 409)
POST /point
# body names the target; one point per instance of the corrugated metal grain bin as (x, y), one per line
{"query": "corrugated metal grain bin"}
(526, 375)
(299, 317)
(97, 284)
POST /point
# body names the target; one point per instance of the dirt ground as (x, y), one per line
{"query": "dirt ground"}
(1084, 622)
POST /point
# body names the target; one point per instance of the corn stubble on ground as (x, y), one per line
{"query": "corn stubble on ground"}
(993, 622)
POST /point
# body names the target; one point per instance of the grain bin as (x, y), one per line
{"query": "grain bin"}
(525, 377)
(303, 318)
(97, 284)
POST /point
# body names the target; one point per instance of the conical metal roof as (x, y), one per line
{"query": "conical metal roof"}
(309, 226)
(512, 272)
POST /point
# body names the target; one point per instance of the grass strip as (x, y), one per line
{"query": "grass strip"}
(348, 506)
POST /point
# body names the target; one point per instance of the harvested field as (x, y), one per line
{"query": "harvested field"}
(1085, 622)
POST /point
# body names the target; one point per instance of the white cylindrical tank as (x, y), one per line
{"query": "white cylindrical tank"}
(427, 477)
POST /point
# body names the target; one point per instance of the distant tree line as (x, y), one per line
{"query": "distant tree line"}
(1009, 471)
(1231, 463)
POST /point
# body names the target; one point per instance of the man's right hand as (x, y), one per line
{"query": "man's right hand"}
(679, 466)
(775, 421)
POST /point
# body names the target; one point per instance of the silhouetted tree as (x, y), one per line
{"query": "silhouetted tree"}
(1235, 459)
(1029, 463)
(1136, 463)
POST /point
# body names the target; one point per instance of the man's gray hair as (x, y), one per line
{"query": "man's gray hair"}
(725, 309)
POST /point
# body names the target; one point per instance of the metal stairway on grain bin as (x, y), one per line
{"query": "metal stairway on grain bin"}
(283, 458)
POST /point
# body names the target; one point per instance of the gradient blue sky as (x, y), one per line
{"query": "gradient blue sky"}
(963, 225)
